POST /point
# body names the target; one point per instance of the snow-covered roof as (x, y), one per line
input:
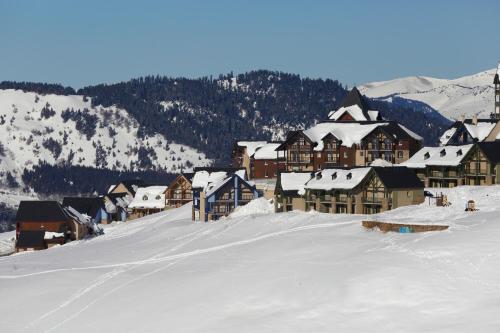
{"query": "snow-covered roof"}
(149, 197)
(480, 131)
(447, 135)
(373, 114)
(268, 152)
(251, 146)
(203, 178)
(355, 112)
(381, 163)
(330, 179)
(294, 181)
(411, 133)
(215, 186)
(348, 133)
(438, 156)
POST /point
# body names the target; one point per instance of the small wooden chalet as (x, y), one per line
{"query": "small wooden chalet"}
(148, 200)
(58, 225)
(180, 191)
(218, 191)
(129, 186)
(90, 206)
(356, 191)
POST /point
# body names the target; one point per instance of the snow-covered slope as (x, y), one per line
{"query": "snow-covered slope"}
(467, 95)
(35, 128)
(289, 272)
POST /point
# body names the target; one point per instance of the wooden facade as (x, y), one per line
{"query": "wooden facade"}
(380, 190)
(478, 166)
(257, 167)
(300, 153)
(222, 198)
(180, 191)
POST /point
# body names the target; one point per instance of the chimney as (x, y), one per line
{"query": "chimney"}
(474, 119)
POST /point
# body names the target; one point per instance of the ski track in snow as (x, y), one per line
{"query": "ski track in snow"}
(185, 254)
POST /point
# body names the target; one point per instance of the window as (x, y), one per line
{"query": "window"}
(265, 174)
(158, 197)
(345, 154)
(318, 155)
(265, 163)
(361, 153)
(400, 154)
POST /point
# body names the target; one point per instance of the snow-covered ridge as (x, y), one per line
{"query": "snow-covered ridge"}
(468, 95)
(32, 130)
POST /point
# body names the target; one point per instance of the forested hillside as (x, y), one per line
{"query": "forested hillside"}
(210, 114)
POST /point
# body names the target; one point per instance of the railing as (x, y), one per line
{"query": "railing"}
(477, 171)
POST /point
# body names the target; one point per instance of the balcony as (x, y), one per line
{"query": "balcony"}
(478, 172)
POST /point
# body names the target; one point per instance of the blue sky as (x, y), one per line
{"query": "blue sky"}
(80, 43)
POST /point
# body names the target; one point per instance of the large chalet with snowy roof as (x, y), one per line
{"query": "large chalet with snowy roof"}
(450, 166)
(353, 136)
(180, 191)
(366, 190)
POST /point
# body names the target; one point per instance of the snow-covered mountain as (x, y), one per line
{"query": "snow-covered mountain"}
(60, 129)
(468, 95)
(264, 272)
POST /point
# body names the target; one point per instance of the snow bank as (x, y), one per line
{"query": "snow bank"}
(256, 206)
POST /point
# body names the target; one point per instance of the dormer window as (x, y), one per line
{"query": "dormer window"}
(442, 153)
(427, 156)
(459, 152)
(158, 197)
(318, 176)
(349, 175)
(144, 198)
(334, 176)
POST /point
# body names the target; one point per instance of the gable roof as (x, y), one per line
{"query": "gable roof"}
(213, 187)
(398, 177)
(130, 184)
(491, 150)
(149, 197)
(31, 239)
(477, 131)
(354, 104)
(40, 211)
(354, 97)
(87, 206)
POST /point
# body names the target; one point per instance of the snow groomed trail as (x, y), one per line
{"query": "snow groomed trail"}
(293, 272)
